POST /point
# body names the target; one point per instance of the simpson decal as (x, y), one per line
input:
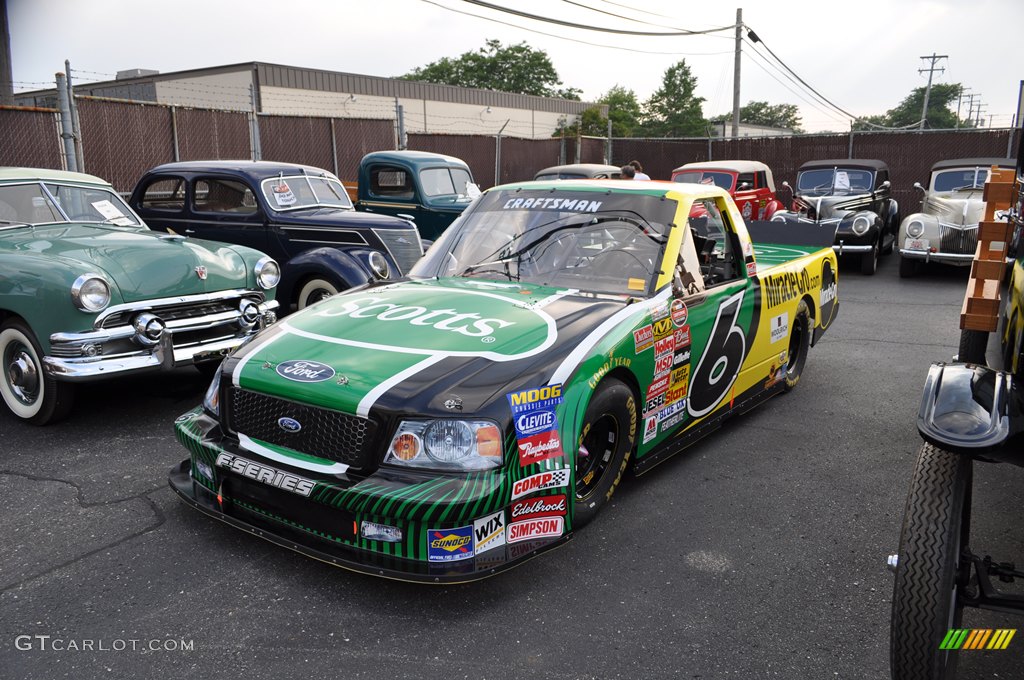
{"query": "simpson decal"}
(779, 327)
(643, 339)
(489, 532)
(535, 528)
(551, 479)
(543, 506)
(449, 545)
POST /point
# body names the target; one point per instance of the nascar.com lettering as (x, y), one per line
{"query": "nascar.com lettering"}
(551, 479)
(534, 528)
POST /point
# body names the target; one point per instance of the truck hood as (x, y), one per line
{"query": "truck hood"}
(140, 264)
(835, 207)
(334, 217)
(411, 346)
(959, 211)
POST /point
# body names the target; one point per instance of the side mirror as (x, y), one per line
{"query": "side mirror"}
(406, 216)
(886, 184)
(917, 185)
(786, 184)
(743, 185)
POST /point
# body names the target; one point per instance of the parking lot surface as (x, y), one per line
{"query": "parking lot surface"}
(758, 553)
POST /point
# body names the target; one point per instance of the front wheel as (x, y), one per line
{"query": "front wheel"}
(316, 289)
(605, 444)
(908, 267)
(869, 261)
(799, 344)
(27, 390)
(931, 570)
(972, 347)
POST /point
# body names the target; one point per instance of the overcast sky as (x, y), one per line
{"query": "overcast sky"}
(863, 55)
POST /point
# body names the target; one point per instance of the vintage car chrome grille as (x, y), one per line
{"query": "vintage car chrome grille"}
(176, 312)
(953, 239)
(403, 244)
(325, 433)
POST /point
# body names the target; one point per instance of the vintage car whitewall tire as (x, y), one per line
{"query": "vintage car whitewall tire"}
(931, 572)
(799, 345)
(27, 391)
(316, 289)
(604, 447)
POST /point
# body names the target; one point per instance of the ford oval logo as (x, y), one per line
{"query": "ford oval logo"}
(535, 422)
(289, 424)
(304, 371)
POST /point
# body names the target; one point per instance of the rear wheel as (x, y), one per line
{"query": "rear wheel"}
(316, 289)
(605, 444)
(869, 261)
(908, 267)
(799, 344)
(972, 347)
(27, 390)
(932, 569)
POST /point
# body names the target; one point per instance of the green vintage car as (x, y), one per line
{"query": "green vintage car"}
(87, 291)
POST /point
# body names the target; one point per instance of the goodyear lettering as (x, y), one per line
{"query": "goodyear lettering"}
(612, 362)
(466, 323)
(564, 204)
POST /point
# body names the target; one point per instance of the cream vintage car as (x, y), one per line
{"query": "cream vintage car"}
(946, 228)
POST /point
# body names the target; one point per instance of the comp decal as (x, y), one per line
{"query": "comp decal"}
(542, 481)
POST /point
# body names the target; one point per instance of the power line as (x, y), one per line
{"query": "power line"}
(573, 24)
(809, 102)
(640, 21)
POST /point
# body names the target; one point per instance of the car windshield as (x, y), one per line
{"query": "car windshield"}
(560, 175)
(838, 181)
(297, 192)
(717, 177)
(960, 179)
(52, 202)
(592, 242)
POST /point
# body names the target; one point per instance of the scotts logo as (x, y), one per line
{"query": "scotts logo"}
(301, 370)
(532, 423)
(552, 479)
(427, 318)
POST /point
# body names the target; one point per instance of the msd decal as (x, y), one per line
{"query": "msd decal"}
(545, 506)
(489, 532)
(449, 545)
(535, 528)
(551, 479)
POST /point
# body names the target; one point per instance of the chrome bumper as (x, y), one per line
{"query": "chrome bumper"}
(946, 258)
(843, 248)
(160, 355)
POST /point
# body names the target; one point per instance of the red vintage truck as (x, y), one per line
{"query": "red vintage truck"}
(749, 182)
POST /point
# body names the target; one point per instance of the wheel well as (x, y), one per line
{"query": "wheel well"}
(626, 377)
(299, 284)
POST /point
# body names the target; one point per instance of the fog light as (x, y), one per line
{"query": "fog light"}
(250, 314)
(406, 446)
(148, 329)
(90, 350)
(380, 532)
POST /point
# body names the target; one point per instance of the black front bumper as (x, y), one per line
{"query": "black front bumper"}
(475, 569)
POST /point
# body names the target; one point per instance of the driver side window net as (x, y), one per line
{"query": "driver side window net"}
(714, 242)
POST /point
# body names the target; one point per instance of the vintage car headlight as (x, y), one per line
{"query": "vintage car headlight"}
(268, 273)
(90, 292)
(446, 444)
(861, 224)
(211, 400)
(915, 228)
(379, 265)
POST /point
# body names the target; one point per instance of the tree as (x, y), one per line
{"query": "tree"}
(506, 68)
(908, 112)
(785, 116)
(673, 110)
(624, 110)
(590, 122)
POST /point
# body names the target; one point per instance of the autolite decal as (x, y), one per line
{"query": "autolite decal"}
(266, 474)
(551, 479)
(544, 506)
(448, 545)
(535, 528)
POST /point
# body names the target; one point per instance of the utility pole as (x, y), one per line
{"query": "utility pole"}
(959, 99)
(981, 121)
(736, 75)
(6, 72)
(934, 59)
(970, 105)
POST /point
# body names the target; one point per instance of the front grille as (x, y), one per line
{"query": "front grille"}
(192, 310)
(958, 240)
(325, 433)
(404, 245)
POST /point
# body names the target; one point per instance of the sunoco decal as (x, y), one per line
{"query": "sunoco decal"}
(551, 479)
(535, 528)
(266, 474)
(536, 424)
(304, 371)
(449, 545)
(489, 532)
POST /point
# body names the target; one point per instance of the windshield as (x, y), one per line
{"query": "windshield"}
(50, 202)
(962, 179)
(589, 241)
(303, 191)
(837, 181)
(445, 182)
(716, 177)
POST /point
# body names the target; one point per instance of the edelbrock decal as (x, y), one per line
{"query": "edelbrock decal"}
(304, 371)
(550, 479)
(266, 474)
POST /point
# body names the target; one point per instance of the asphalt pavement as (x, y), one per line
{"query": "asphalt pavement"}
(758, 553)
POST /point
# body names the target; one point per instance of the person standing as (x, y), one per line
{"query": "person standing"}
(638, 170)
(628, 172)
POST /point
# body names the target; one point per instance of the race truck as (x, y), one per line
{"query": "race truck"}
(449, 425)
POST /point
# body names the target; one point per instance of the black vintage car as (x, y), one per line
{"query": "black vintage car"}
(854, 196)
(299, 215)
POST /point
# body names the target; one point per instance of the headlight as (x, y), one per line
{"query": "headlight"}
(211, 400)
(915, 228)
(446, 444)
(379, 265)
(268, 274)
(861, 224)
(90, 292)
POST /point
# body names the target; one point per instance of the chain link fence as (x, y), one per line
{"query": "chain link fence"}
(121, 140)
(30, 137)
(205, 134)
(355, 137)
